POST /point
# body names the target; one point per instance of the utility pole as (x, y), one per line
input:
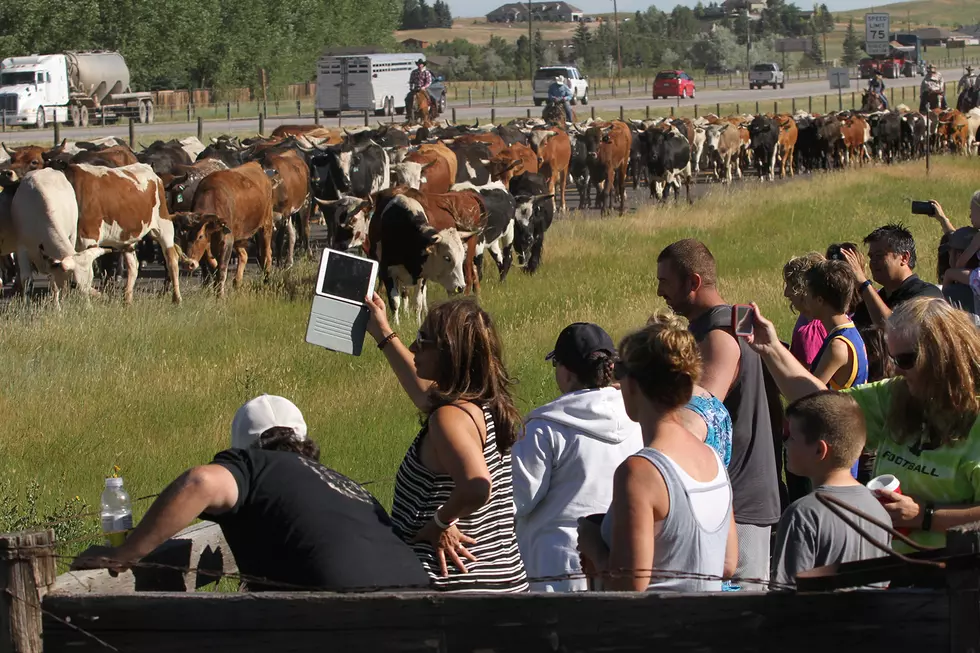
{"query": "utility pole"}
(619, 55)
(748, 42)
(530, 48)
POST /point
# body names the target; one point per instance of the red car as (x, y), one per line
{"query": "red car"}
(673, 83)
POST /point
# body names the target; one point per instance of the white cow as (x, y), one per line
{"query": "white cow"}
(45, 218)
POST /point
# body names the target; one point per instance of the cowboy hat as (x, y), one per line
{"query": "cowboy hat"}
(931, 66)
(420, 61)
(969, 69)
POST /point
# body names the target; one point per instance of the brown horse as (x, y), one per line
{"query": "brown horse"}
(419, 106)
(934, 100)
(871, 101)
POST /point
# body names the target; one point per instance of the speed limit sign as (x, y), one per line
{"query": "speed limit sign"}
(876, 34)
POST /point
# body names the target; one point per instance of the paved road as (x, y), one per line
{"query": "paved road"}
(705, 98)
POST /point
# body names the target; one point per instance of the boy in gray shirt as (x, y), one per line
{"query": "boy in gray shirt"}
(826, 436)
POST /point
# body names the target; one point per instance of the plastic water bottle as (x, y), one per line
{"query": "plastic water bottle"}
(117, 512)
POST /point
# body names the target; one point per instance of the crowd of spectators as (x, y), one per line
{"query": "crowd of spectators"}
(687, 458)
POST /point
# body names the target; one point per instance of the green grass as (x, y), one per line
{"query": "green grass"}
(152, 388)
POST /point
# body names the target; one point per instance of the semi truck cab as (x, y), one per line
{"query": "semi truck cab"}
(34, 89)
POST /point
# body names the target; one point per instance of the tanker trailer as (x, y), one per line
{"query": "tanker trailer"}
(71, 87)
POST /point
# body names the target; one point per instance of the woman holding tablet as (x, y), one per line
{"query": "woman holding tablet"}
(454, 499)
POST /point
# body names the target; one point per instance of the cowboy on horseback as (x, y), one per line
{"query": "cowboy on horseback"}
(932, 84)
(967, 81)
(876, 86)
(420, 80)
(561, 95)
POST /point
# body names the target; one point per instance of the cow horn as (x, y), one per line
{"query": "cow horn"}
(62, 144)
(538, 198)
(327, 203)
(466, 235)
(7, 149)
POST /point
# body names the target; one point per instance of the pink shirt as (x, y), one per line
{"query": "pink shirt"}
(808, 336)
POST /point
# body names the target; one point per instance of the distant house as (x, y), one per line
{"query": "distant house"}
(962, 38)
(415, 44)
(731, 7)
(552, 12)
(933, 36)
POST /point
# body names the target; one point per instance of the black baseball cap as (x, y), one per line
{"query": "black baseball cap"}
(578, 341)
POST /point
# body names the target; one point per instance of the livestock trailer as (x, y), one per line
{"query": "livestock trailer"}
(376, 82)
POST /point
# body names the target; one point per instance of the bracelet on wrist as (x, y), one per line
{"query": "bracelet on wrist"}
(928, 512)
(388, 338)
(865, 284)
(441, 524)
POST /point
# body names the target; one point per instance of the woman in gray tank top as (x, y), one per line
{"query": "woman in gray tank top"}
(670, 525)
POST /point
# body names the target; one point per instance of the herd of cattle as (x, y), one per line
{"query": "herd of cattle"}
(426, 201)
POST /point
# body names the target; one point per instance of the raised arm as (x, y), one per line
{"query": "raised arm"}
(877, 310)
(399, 357)
(208, 488)
(941, 218)
(793, 380)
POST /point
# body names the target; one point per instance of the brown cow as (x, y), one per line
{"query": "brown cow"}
(554, 150)
(788, 133)
(182, 185)
(511, 162)
(609, 152)
(22, 160)
(291, 198)
(432, 169)
(855, 132)
(954, 128)
(229, 208)
(116, 208)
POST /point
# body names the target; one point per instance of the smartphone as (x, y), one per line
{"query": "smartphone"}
(742, 317)
(923, 208)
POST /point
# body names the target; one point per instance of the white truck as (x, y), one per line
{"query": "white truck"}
(574, 80)
(766, 74)
(375, 82)
(73, 87)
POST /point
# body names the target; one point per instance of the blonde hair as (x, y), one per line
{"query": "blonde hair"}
(948, 364)
(794, 272)
(663, 358)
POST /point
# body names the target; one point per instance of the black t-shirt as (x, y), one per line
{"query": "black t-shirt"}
(752, 469)
(910, 289)
(297, 522)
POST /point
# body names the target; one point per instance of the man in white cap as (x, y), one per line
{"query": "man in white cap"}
(932, 83)
(560, 94)
(288, 520)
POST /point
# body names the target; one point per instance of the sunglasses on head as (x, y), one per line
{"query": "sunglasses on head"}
(423, 339)
(905, 361)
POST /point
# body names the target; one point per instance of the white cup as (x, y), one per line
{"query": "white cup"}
(885, 482)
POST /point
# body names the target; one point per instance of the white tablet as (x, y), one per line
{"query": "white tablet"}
(338, 318)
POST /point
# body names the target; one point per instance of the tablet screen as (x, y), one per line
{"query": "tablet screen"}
(347, 277)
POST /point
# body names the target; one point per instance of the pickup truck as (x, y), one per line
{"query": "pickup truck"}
(574, 80)
(766, 74)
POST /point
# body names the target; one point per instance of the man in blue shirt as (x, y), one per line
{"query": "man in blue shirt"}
(558, 93)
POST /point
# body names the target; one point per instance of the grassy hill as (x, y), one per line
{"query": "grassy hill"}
(478, 31)
(945, 13)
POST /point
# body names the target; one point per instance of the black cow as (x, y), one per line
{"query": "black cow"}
(764, 132)
(638, 164)
(230, 156)
(913, 135)
(164, 157)
(806, 154)
(830, 145)
(578, 168)
(512, 134)
(886, 135)
(668, 157)
(534, 213)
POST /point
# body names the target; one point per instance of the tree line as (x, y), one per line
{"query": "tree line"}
(178, 44)
(654, 39)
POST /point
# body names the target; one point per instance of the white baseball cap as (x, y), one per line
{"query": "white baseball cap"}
(261, 414)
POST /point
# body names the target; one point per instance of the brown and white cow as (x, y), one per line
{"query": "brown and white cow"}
(230, 206)
(787, 142)
(512, 161)
(291, 198)
(117, 207)
(22, 160)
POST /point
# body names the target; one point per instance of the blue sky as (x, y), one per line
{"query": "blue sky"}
(467, 8)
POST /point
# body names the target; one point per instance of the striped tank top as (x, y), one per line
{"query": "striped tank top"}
(419, 492)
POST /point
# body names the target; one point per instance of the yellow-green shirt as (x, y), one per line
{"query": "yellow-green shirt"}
(946, 475)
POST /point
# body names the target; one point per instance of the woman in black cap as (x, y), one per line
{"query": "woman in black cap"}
(563, 467)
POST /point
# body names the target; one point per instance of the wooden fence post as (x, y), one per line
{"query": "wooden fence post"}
(793, 103)
(775, 106)
(188, 112)
(529, 114)
(367, 122)
(261, 124)
(629, 87)
(57, 130)
(756, 107)
(738, 109)
(718, 109)
(648, 112)
(27, 571)
(963, 587)
(825, 103)
(809, 104)
(454, 115)
(469, 97)
(593, 111)
(316, 116)
(672, 111)
(132, 133)
(622, 114)
(200, 128)
(299, 109)
(695, 111)
(228, 111)
(493, 116)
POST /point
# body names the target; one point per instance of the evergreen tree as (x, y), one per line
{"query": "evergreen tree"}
(442, 15)
(522, 54)
(539, 49)
(852, 45)
(581, 43)
(816, 51)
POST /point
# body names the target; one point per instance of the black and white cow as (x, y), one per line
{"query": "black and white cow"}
(471, 164)
(886, 135)
(534, 214)
(668, 156)
(498, 236)
(338, 172)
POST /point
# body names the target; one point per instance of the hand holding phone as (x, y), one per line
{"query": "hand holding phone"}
(923, 208)
(742, 317)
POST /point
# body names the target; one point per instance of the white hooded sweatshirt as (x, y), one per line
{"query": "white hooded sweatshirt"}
(563, 470)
